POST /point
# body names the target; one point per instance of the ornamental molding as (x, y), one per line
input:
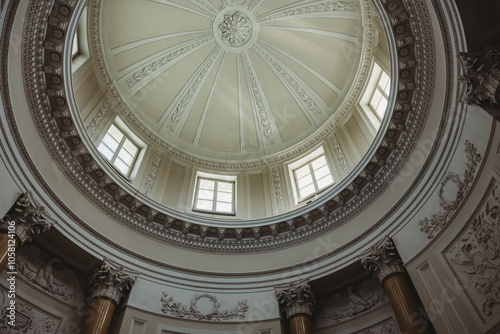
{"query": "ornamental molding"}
(211, 312)
(387, 326)
(296, 299)
(112, 282)
(383, 261)
(336, 6)
(51, 275)
(481, 77)
(235, 28)
(154, 168)
(278, 189)
(474, 256)
(339, 154)
(30, 319)
(433, 225)
(43, 59)
(26, 219)
(353, 301)
(99, 116)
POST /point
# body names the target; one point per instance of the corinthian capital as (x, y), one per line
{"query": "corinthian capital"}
(111, 282)
(26, 219)
(383, 260)
(297, 299)
(482, 77)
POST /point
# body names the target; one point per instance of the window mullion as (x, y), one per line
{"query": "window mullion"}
(214, 204)
(313, 175)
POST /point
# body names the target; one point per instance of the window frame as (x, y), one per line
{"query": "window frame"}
(312, 172)
(378, 88)
(125, 137)
(214, 178)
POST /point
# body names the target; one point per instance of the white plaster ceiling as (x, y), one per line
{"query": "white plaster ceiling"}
(232, 79)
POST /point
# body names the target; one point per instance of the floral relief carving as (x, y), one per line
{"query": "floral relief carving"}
(99, 116)
(278, 189)
(28, 319)
(433, 225)
(387, 326)
(339, 6)
(235, 28)
(153, 173)
(354, 300)
(50, 275)
(475, 255)
(195, 311)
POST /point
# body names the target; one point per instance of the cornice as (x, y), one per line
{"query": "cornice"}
(51, 108)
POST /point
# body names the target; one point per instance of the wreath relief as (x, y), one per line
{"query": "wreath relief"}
(177, 309)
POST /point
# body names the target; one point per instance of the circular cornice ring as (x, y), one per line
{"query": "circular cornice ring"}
(46, 59)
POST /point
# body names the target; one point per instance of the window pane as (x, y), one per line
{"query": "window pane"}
(207, 184)
(224, 207)
(117, 134)
(125, 156)
(324, 181)
(206, 194)
(321, 172)
(105, 151)
(130, 147)
(375, 99)
(382, 107)
(302, 171)
(305, 181)
(318, 163)
(385, 83)
(224, 196)
(121, 166)
(225, 186)
(306, 191)
(74, 49)
(203, 204)
(110, 142)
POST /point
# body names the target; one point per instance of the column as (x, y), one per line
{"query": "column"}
(385, 264)
(297, 303)
(23, 221)
(107, 286)
(482, 77)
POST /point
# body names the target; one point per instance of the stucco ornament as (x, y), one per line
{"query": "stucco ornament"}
(30, 218)
(112, 282)
(235, 28)
(482, 77)
(383, 260)
(433, 225)
(296, 299)
(193, 311)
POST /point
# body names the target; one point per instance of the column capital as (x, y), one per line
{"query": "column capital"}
(383, 260)
(29, 217)
(296, 299)
(482, 77)
(111, 282)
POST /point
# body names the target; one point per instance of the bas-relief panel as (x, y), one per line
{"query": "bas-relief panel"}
(29, 319)
(387, 326)
(351, 302)
(48, 274)
(474, 256)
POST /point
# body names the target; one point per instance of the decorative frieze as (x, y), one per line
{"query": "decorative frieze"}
(387, 326)
(354, 300)
(278, 189)
(296, 299)
(99, 116)
(203, 307)
(50, 275)
(153, 173)
(111, 282)
(29, 218)
(482, 77)
(474, 255)
(433, 225)
(383, 260)
(339, 154)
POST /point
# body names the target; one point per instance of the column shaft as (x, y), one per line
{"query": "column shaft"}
(407, 306)
(300, 324)
(99, 317)
(4, 249)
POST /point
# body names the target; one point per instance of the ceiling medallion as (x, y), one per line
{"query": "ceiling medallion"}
(235, 28)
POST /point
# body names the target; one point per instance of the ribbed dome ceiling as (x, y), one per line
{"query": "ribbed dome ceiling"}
(231, 79)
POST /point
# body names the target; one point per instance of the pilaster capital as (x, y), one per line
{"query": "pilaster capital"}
(26, 218)
(383, 260)
(482, 77)
(296, 299)
(111, 282)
